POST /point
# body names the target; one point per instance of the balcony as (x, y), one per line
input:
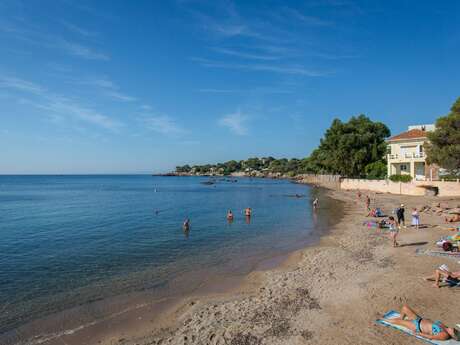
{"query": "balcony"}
(408, 156)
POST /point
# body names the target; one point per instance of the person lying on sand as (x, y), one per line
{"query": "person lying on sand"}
(452, 278)
(423, 327)
(453, 219)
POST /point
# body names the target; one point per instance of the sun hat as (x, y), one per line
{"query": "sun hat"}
(444, 267)
(402, 205)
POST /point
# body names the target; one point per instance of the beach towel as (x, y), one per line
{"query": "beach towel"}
(450, 255)
(394, 314)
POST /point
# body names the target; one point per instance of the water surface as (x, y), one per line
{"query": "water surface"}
(67, 241)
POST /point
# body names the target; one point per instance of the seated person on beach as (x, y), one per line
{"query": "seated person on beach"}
(423, 327)
(376, 212)
(454, 218)
(451, 278)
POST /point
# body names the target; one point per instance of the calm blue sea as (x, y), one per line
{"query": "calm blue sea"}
(66, 241)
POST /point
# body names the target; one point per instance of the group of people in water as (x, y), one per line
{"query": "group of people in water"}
(247, 213)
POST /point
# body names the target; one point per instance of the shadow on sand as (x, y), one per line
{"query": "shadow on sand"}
(413, 244)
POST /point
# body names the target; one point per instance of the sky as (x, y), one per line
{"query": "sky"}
(142, 86)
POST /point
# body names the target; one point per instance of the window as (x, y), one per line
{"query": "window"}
(403, 167)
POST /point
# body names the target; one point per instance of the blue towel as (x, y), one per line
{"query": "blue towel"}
(394, 314)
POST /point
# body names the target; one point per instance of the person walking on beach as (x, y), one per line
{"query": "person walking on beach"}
(400, 215)
(415, 219)
(368, 203)
(315, 204)
(393, 230)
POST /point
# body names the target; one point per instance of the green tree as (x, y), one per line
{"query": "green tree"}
(348, 147)
(443, 148)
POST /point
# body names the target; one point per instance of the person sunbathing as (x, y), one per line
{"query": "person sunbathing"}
(453, 219)
(423, 327)
(451, 278)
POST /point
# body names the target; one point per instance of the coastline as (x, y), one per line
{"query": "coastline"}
(345, 281)
(118, 316)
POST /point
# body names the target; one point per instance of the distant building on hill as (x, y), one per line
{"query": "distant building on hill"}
(406, 154)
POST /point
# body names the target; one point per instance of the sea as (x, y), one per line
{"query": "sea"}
(69, 243)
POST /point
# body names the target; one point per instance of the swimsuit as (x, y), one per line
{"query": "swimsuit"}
(435, 327)
(416, 323)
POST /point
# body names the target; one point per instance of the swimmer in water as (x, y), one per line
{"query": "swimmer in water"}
(229, 215)
(186, 225)
(248, 212)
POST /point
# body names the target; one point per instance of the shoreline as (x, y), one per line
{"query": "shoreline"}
(346, 280)
(124, 316)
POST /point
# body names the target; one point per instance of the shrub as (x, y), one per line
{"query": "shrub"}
(401, 178)
(376, 170)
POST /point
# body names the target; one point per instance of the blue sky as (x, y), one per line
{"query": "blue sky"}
(142, 86)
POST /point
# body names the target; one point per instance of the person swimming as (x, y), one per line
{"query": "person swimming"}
(186, 225)
(248, 212)
(229, 215)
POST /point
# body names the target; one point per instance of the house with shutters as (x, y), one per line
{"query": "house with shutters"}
(406, 154)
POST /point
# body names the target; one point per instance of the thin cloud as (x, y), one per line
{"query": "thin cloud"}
(219, 91)
(163, 124)
(78, 30)
(62, 105)
(35, 36)
(263, 90)
(20, 85)
(306, 19)
(109, 88)
(282, 69)
(235, 122)
(245, 55)
(58, 107)
(81, 51)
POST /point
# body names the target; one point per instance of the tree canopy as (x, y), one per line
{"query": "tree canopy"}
(444, 146)
(348, 147)
(355, 149)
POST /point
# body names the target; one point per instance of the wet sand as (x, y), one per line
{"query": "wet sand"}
(329, 293)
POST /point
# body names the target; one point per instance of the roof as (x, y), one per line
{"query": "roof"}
(412, 134)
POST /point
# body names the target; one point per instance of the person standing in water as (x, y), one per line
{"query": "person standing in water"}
(315, 204)
(230, 216)
(248, 213)
(186, 225)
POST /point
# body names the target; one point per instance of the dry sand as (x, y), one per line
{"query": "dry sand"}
(330, 293)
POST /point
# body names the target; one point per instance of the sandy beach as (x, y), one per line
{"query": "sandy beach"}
(330, 293)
